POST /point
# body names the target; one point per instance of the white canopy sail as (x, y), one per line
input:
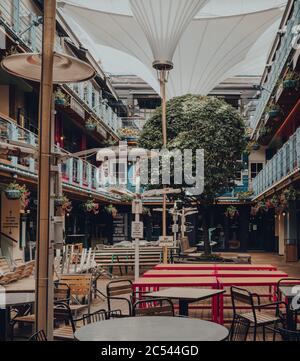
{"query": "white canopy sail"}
(207, 51)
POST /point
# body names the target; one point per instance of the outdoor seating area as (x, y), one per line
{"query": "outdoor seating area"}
(255, 298)
(13, 272)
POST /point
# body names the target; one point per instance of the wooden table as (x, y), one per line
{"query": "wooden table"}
(162, 329)
(216, 266)
(185, 296)
(147, 285)
(12, 299)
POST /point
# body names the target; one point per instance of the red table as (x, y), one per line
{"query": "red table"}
(179, 273)
(147, 285)
(215, 266)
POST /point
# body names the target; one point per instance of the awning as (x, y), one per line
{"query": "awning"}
(211, 49)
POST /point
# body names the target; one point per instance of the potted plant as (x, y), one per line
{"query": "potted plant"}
(61, 98)
(231, 212)
(91, 206)
(261, 207)
(126, 198)
(264, 131)
(15, 191)
(146, 211)
(291, 80)
(90, 124)
(64, 203)
(273, 110)
(112, 210)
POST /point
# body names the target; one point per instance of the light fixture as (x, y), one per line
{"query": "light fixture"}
(66, 69)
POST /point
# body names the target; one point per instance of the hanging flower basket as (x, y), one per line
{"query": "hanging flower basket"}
(91, 206)
(12, 194)
(90, 125)
(231, 212)
(146, 211)
(290, 84)
(64, 203)
(61, 98)
(112, 210)
(15, 191)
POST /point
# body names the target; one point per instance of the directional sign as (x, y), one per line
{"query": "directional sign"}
(137, 207)
(137, 230)
(166, 241)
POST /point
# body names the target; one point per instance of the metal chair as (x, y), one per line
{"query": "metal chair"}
(117, 288)
(101, 315)
(153, 307)
(62, 292)
(38, 336)
(64, 324)
(253, 319)
(286, 335)
(290, 282)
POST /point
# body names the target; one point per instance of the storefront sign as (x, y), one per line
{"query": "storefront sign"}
(137, 207)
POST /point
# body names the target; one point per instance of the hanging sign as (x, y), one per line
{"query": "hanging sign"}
(167, 241)
(175, 228)
(137, 230)
(137, 207)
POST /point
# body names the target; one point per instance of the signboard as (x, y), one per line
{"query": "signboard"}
(166, 241)
(175, 228)
(137, 207)
(74, 105)
(137, 230)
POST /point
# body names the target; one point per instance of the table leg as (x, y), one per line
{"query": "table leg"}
(183, 308)
(221, 309)
(4, 320)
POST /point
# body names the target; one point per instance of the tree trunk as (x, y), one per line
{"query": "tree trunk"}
(205, 227)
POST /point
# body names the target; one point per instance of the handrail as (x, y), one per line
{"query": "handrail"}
(8, 237)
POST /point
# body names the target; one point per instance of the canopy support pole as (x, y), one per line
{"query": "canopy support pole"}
(44, 259)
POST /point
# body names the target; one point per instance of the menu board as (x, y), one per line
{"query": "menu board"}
(120, 228)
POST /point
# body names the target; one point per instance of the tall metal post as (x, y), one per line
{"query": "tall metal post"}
(44, 258)
(164, 133)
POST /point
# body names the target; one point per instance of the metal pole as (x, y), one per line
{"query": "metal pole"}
(137, 219)
(44, 258)
(164, 132)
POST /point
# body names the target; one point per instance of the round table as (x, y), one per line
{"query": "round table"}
(9, 300)
(152, 329)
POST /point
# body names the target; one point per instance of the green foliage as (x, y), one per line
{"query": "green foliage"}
(196, 122)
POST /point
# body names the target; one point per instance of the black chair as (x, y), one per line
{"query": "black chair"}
(38, 336)
(64, 324)
(115, 289)
(289, 282)
(285, 335)
(153, 307)
(62, 292)
(255, 318)
(101, 315)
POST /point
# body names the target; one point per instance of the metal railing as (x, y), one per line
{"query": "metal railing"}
(15, 15)
(285, 162)
(281, 57)
(76, 172)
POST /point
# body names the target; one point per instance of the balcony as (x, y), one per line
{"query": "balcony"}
(280, 60)
(285, 163)
(77, 174)
(17, 19)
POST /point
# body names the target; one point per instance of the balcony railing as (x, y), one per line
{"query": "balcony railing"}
(281, 57)
(284, 163)
(76, 173)
(15, 15)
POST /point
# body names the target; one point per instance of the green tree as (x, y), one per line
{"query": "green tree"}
(209, 123)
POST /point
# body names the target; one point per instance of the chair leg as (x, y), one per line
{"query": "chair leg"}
(254, 332)
(264, 333)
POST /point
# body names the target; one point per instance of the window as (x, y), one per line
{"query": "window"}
(255, 169)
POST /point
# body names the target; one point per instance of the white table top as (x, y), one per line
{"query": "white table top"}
(152, 329)
(185, 293)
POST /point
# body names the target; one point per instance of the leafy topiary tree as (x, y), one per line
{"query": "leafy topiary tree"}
(197, 122)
